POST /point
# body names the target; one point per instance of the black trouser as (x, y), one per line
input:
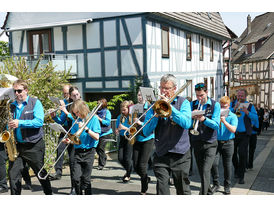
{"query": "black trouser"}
(141, 154)
(25, 173)
(125, 154)
(239, 158)
(59, 164)
(83, 163)
(100, 149)
(224, 149)
(3, 173)
(178, 165)
(204, 153)
(251, 149)
(33, 154)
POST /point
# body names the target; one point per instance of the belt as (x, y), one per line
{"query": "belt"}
(224, 141)
(240, 133)
(83, 150)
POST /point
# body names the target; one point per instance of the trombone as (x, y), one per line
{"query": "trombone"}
(194, 131)
(75, 138)
(161, 108)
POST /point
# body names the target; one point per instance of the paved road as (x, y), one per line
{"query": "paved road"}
(259, 181)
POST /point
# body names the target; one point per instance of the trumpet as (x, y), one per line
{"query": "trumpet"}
(161, 108)
(75, 138)
(194, 131)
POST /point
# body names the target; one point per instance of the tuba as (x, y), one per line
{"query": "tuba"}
(6, 135)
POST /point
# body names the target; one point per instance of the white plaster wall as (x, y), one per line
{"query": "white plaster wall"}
(109, 33)
(16, 39)
(94, 85)
(134, 26)
(111, 68)
(128, 67)
(58, 39)
(93, 35)
(94, 65)
(75, 37)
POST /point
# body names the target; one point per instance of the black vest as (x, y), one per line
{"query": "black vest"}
(31, 135)
(169, 136)
(205, 133)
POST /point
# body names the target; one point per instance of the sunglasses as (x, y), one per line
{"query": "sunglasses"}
(201, 85)
(19, 91)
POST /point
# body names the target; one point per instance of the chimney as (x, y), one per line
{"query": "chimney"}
(248, 24)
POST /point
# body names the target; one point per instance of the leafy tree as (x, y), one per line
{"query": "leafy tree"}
(4, 49)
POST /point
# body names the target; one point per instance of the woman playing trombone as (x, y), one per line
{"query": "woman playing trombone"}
(85, 151)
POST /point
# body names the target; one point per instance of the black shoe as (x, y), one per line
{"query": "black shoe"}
(72, 192)
(227, 191)
(126, 179)
(212, 190)
(241, 181)
(56, 176)
(3, 190)
(100, 167)
(28, 186)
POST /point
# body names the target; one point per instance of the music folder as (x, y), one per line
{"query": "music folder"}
(198, 112)
(224, 112)
(139, 108)
(57, 127)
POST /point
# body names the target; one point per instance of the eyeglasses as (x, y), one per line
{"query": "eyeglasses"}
(19, 91)
(200, 85)
(166, 88)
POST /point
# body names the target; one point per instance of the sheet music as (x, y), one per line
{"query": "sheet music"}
(57, 127)
(246, 105)
(198, 112)
(224, 112)
(136, 107)
(55, 100)
(147, 94)
(6, 93)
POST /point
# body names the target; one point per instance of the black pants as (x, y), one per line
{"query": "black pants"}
(178, 165)
(239, 158)
(204, 153)
(33, 154)
(141, 155)
(83, 163)
(3, 173)
(59, 165)
(25, 173)
(125, 155)
(100, 149)
(224, 149)
(251, 148)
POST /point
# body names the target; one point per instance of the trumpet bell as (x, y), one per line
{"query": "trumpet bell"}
(75, 139)
(162, 108)
(4, 136)
(194, 132)
(132, 141)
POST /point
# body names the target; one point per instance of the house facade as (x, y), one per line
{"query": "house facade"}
(107, 51)
(253, 61)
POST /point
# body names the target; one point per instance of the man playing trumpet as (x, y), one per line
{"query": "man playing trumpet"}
(205, 141)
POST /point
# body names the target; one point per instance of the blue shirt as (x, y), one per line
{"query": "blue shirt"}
(182, 118)
(36, 122)
(87, 141)
(223, 132)
(126, 124)
(214, 122)
(107, 122)
(252, 115)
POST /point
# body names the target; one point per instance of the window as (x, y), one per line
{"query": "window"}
(212, 87)
(188, 47)
(201, 48)
(211, 51)
(165, 42)
(253, 48)
(205, 82)
(39, 42)
(250, 69)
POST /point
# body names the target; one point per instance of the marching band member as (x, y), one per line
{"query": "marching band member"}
(28, 121)
(125, 148)
(225, 147)
(252, 142)
(243, 132)
(171, 140)
(84, 152)
(205, 143)
(142, 149)
(71, 94)
(104, 117)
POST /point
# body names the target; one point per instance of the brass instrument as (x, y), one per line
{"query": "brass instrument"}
(238, 110)
(194, 131)
(7, 136)
(75, 138)
(48, 118)
(161, 108)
